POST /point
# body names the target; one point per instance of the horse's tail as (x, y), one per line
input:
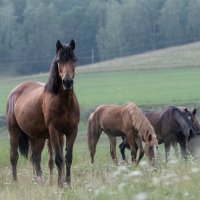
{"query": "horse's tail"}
(90, 132)
(24, 145)
(93, 134)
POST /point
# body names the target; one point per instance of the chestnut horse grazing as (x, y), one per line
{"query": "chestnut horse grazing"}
(126, 120)
(51, 111)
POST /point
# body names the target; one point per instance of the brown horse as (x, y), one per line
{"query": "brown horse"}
(172, 125)
(48, 111)
(126, 120)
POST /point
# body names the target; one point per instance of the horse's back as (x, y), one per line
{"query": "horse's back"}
(24, 107)
(110, 118)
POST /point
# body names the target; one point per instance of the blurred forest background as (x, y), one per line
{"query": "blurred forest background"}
(102, 29)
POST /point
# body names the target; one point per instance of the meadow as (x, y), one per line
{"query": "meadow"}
(149, 87)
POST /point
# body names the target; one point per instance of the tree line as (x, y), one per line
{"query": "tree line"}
(102, 29)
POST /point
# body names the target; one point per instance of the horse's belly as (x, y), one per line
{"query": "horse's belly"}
(29, 114)
(33, 126)
(114, 132)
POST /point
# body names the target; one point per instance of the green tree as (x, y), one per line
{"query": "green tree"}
(193, 25)
(7, 25)
(173, 22)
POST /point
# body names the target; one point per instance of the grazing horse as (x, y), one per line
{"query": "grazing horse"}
(126, 120)
(171, 126)
(51, 111)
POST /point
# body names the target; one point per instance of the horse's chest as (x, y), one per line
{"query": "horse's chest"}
(66, 121)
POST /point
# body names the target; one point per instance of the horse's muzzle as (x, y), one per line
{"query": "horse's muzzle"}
(67, 84)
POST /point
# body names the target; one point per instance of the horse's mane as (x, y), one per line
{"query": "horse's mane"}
(140, 122)
(54, 81)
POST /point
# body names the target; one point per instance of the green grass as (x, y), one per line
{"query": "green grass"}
(144, 87)
(102, 180)
(156, 79)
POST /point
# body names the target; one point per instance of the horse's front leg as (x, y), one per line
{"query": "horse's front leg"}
(51, 160)
(138, 145)
(133, 150)
(56, 139)
(70, 139)
(184, 152)
(167, 150)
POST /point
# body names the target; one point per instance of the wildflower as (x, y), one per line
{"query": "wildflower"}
(135, 173)
(194, 170)
(141, 196)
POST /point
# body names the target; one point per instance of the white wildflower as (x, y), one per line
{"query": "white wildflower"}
(116, 173)
(122, 168)
(143, 163)
(173, 161)
(194, 170)
(186, 194)
(135, 173)
(141, 196)
(155, 180)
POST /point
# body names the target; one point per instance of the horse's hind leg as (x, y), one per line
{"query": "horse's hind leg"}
(14, 144)
(113, 143)
(36, 145)
(122, 148)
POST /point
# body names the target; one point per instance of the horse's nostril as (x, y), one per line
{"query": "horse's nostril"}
(68, 83)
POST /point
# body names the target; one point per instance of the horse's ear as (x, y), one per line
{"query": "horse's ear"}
(72, 44)
(149, 138)
(186, 110)
(58, 46)
(194, 111)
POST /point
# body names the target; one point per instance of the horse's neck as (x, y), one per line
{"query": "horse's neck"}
(66, 96)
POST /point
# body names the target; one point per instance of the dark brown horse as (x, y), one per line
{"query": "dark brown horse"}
(48, 111)
(172, 126)
(126, 120)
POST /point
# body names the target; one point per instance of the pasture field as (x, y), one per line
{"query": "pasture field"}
(144, 87)
(167, 81)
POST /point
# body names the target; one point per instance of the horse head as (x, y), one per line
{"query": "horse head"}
(151, 146)
(184, 120)
(193, 118)
(66, 61)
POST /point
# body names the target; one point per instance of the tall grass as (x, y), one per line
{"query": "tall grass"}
(103, 180)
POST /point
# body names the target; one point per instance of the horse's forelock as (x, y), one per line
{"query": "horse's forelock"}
(65, 54)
